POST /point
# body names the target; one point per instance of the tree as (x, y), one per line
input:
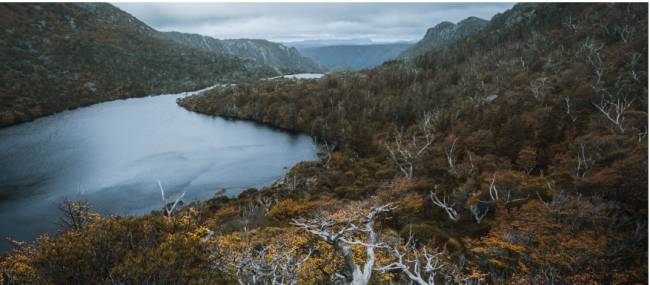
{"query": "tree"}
(407, 149)
(169, 209)
(444, 204)
(614, 109)
(275, 263)
(421, 265)
(341, 233)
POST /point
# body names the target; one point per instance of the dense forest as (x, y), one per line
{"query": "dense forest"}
(517, 155)
(60, 56)
(284, 59)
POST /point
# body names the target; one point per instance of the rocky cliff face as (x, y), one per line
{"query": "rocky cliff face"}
(282, 58)
(59, 56)
(444, 34)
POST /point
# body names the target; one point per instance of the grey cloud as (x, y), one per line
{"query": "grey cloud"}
(305, 21)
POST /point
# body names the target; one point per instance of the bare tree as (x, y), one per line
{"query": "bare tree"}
(341, 235)
(635, 62)
(567, 106)
(614, 109)
(523, 64)
(169, 210)
(75, 214)
(570, 24)
(626, 33)
(444, 204)
(537, 87)
(449, 153)
(325, 151)
(494, 193)
(478, 213)
(406, 150)
(592, 52)
(256, 265)
(418, 264)
(495, 198)
(641, 134)
(584, 163)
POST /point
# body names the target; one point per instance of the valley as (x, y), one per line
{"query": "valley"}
(508, 145)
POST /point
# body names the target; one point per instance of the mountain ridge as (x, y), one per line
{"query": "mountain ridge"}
(354, 57)
(444, 34)
(60, 56)
(284, 59)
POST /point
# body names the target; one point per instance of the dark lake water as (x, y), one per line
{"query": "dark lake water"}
(112, 155)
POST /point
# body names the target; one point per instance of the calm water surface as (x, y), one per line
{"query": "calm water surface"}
(112, 155)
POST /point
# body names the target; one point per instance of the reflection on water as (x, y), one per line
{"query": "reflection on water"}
(112, 155)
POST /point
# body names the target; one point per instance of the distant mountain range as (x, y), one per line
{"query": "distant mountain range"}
(359, 55)
(354, 57)
(444, 34)
(339, 42)
(327, 42)
(284, 59)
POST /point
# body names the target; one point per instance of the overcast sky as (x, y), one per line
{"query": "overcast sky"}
(381, 22)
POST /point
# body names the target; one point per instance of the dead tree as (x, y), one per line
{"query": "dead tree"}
(635, 61)
(325, 152)
(570, 24)
(407, 149)
(75, 214)
(584, 164)
(419, 265)
(592, 52)
(341, 235)
(256, 266)
(641, 134)
(537, 87)
(478, 213)
(626, 33)
(169, 210)
(444, 204)
(504, 200)
(614, 109)
(567, 108)
(449, 153)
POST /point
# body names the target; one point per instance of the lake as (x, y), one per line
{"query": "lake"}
(113, 154)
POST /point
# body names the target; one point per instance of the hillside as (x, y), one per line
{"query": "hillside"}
(327, 42)
(353, 57)
(284, 59)
(444, 34)
(503, 148)
(518, 155)
(60, 56)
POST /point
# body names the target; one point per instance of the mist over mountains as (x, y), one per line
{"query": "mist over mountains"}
(354, 57)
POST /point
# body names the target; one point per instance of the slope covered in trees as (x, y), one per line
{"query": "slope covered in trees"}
(517, 155)
(444, 34)
(286, 60)
(60, 56)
